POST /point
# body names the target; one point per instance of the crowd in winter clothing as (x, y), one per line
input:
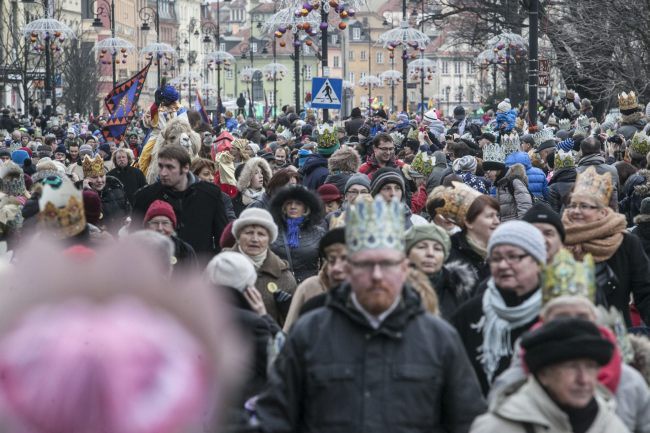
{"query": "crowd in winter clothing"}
(393, 272)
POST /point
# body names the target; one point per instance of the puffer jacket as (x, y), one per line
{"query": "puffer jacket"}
(598, 162)
(463, 253)
(115, 205)
(560, 186)
(512, 194)
(337, 374)
(303, 260)
(537, 183)
(526, 402)
(314, 172)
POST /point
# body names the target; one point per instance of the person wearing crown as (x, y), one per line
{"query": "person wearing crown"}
(568, 292)
(115, 206)
(632, 119)
(590, 148)
(623, 271)
(371, 359)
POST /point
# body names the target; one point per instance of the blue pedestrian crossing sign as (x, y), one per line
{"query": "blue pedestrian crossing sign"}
(326, 92)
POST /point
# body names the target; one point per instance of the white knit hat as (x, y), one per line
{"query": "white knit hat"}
(231, 269)
(520, 234)
(504, 106)
(430, 116)
(255, 216)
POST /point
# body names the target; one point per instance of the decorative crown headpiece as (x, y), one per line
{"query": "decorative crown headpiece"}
(564, 124)
(511, 143)
(543, 136)
(552, 120)
(93, 167)
(61, 209)
(327, 137)
(457, 201)
(569, 277)
(640, 143)
(494, 153)
(374, 224)
(583, 121)
(591, 184)
(414, 134)
(397, 137)
(563, 159)
(628, 101)
(423, 164)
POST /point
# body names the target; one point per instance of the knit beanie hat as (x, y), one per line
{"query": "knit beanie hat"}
(519, 234)
(334, 236)
(357, 179)
(92, 206)
(364, 130)
(385, 176)
(85, 149)
(504, 106)
(258, 217)
(44, 151)
(542, 213)
(430, 116)
(329, 192)
(19, 157)
(566, 145)
(645, 206)
(231, 269)
(562, 340)
(465, 164)
(429, 232)
(61, 149)
(160, 208)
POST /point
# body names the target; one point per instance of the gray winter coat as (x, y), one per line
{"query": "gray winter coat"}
(601, 168)
(439, 170)
(512, 193)
(336, 374)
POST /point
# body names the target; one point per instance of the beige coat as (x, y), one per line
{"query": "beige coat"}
(311, 287)
(527, 402)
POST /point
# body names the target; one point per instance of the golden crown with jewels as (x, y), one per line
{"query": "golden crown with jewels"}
(597, 186)
(93, 167)
(457, 201)
(61, 209)
(628, 101)
(566, 276)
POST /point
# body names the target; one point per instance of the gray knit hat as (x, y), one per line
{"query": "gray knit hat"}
(520, 234)
(385, 176)
(357, 179)
(231, 269)
(429, 232)
(85, 149)
(258, 217)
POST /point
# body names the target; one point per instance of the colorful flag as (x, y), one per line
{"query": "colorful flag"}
(121, 103)
(198, 106)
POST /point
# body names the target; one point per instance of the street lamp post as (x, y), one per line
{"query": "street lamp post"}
(460, 94)
(97, 23)
(447, 90)
(146, 13)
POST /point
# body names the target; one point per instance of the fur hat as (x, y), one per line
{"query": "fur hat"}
(45, 168)
(345, 160)
(258, 217)
(247, 173)
(313, 204)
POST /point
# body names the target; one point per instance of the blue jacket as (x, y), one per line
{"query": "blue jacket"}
(537, 183)
(314, 172)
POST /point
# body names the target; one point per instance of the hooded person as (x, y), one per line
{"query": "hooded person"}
(298, 213)
(12, 182)
(341, 166)
(252, 183)
(115, 205)
(592, 227)
(315, 170)
(632, 117)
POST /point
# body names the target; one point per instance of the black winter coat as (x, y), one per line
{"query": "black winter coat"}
(642, 231)
(303, 260)
(132, 179)
(115, 206)
(462, 252)
(465, 320)
(199, 210)
(631, 268)
(352, 126)
(454, 285)
(560, 186)
(314, 172)
(336, 374)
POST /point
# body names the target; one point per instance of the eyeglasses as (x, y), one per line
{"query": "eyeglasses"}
(159, 223)
(386, 149)
(582, 206)
(353, 193)
(510, 259)
(368, 266)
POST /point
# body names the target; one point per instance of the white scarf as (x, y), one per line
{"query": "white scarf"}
(257, 260)
(497, 323)
(250, 195)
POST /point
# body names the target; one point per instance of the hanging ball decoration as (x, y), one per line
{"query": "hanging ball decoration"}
(299, 26)
(342, 26)
(123, 50)
(323, 26)
(296, 43)
(57, 34)
(278, 35)
(309, 42)
(123, 62)
(283, 44)
(304, 12)
(306, 26)
(297, 13)
(308, 6)
(351, 12)
(333, 3)
(343, 14)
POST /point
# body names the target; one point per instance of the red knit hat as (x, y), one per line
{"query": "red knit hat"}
(329, 192)
(160, 208)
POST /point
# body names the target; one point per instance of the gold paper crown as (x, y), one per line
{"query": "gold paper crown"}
(640, 143)
(628, 101)
(374, 224)
(563, 159)
(423, 164)
(568, 277)
(61, 209)
(457, 201)
(591, 184)
(414, 135)
(93, 167)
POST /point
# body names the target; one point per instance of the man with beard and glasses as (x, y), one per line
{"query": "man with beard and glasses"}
(372, 359)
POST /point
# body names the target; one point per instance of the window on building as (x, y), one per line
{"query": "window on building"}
(362, 56)
(445, 67)
(254, 47)
(457, 68)
(351, 77)
(380, 57)
(222, 46)
(350, 55)
(229, 74)
(470, 68)
(356, 33)
(363, 75)
(307, 72)
(336, 62)
(335, 39)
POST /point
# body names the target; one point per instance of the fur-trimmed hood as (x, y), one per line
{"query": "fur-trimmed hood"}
(461, 277)
(641, 360)
(643, 190)
(250, 167)
(516, 171)
(300, 193)
(634, 119)
(344, 160)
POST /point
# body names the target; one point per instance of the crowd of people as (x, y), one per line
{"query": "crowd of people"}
(395, 272)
